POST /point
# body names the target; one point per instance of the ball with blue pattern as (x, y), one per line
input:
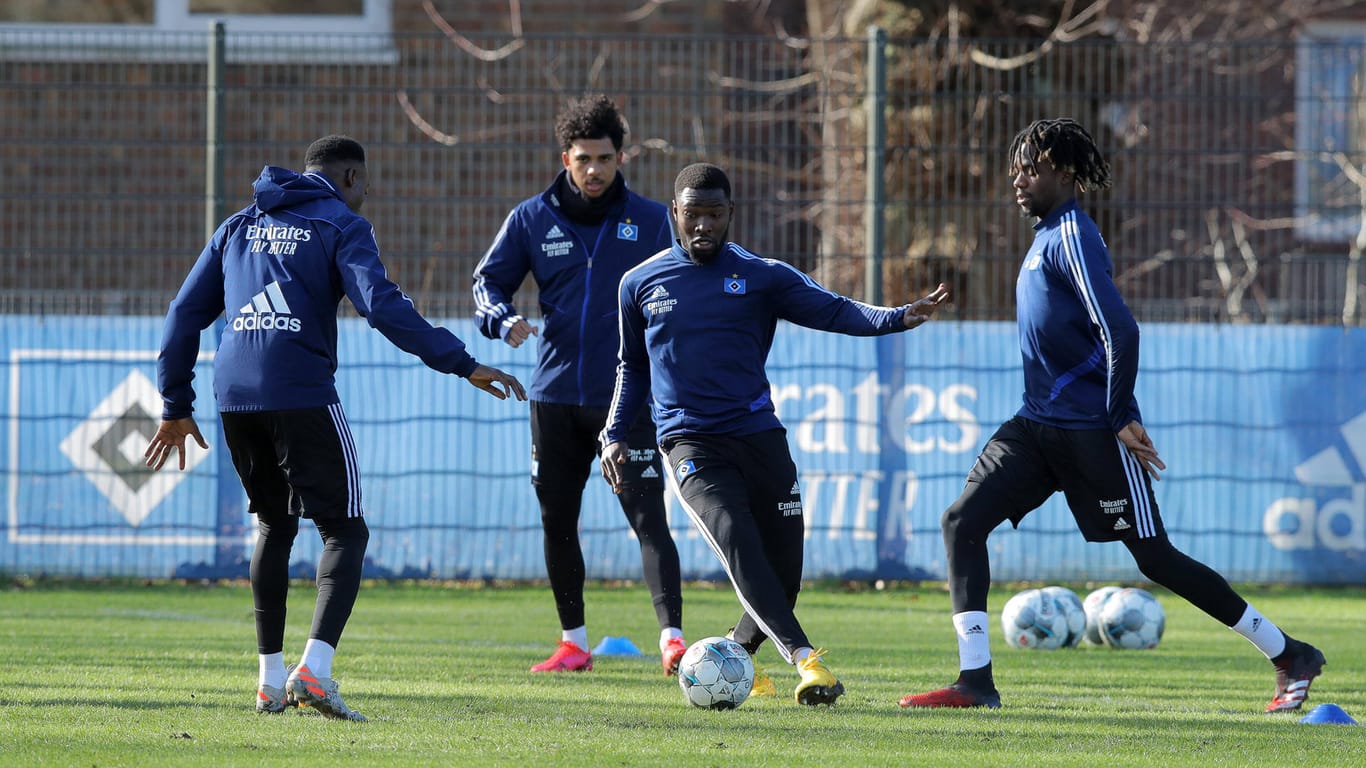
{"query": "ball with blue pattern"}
(716, 673)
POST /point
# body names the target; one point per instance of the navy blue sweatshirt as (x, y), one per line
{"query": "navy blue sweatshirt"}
(577, 279)
(698, 336)
(280, 268)
(1078, 340)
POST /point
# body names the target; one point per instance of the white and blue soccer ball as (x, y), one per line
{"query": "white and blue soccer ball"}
(1132, 619)
(1094, 601)
(1031, 619)
(716, 673)
(1069, 605)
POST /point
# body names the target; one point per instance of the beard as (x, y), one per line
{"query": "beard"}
(1032, 210)
(707, 253)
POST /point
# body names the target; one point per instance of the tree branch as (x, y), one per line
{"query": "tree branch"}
(483, 54)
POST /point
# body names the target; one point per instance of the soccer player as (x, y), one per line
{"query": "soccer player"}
(576, 239)
(697, 323)
(280, 267)
(1079, 430)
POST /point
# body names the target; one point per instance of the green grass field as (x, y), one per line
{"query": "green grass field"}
(164, 674)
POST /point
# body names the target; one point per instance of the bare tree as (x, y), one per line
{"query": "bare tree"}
(1202, 221)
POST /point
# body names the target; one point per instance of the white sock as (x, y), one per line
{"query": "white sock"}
(667, 634)
(318, 657)
(271, 670)
(1259, 630)
(974, 639)
(801, 653)
(578, 636)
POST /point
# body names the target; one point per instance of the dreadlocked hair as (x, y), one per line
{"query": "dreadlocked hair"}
(1067, 147)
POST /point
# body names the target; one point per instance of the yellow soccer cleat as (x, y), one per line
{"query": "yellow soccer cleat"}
(763, 684)
(818, 685)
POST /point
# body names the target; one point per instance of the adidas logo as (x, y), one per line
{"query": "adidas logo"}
(796, 488)
(649, 473)
(1330, 467)
(1332, 519)
(1120, 525)
(1256, 623)
(975, 629)
(556, 243)
(659, 302)
(267, 311)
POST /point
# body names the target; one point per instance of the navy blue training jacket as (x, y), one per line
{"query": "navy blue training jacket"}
(577, 355)
(280, 268)
(1078, 340)
(698, 337)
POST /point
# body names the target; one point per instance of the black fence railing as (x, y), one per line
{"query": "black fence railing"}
(1238, 167)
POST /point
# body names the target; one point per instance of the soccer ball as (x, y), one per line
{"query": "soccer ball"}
(1031, 619)
(1069, 605)
(1132, 619)
(1092, 605)
(716, 673)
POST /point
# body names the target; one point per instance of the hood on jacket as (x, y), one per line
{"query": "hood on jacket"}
(278, 188)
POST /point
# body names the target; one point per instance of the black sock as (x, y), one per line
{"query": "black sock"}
(979, 678)
(1292, 646)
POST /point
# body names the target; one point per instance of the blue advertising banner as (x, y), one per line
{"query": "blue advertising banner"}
(1263, 430)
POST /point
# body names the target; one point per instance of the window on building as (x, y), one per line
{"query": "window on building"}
(43, 29)
(78, 12)
(1330, 128)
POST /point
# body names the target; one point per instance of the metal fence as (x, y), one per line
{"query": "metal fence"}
(1237, 196)
(1238, 200)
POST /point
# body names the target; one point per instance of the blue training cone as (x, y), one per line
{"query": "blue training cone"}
(1328, 714)
(616, 646)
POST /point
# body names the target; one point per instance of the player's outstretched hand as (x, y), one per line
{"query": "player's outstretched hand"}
(613, 459)
(1136, 439)
(171, 435)
(921, 310)
(497, 383)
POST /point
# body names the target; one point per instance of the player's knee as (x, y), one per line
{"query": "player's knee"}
(560, 508)
(976, 513)
(643, 504)
(1156, 558)
(968, 522)
(282, 528)
(347, 531)
(960, 520)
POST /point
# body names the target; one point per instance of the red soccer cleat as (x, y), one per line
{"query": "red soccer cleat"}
(567, 658)
(1293, 676)
(672, 654)
(958, 695)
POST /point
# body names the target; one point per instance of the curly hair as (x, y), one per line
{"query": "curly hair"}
(591, 117)
(1066, 146)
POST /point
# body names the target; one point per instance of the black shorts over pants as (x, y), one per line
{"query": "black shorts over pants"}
(299, 462)
(1107, 490)
(565, 446)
